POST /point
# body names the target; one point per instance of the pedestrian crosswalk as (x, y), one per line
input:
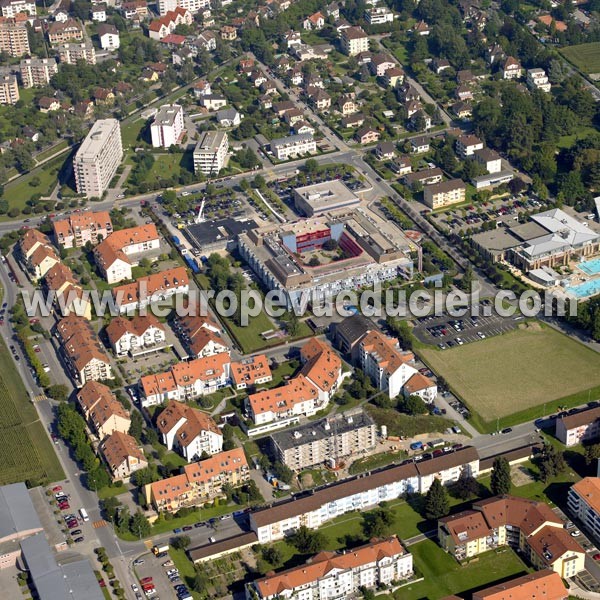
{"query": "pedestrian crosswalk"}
(40, 397)
(98, 524)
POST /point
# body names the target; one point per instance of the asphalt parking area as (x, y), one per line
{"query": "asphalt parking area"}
(152, 567)
(447, 332)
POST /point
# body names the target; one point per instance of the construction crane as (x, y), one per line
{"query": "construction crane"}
(200, 215)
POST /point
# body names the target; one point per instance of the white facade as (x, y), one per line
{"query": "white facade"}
(98, 158)
(293, 146)
(194, 6)
(132, 343)
(110, 41)
(210, 152)
(379, 15)
(14, 7)
(354, 41)
(168, 126)
(131, 306)
(537, 79)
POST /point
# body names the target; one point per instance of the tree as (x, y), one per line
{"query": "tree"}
(145, 476)
(58, 392)
(311, 166)
(500, 480)
(307, 541)
(314, 261)
(136, 427)
(140, 525)
(181, 542)
(111, 507)
(466, 487)
(283, 472)
(253, 492)
(377, 523)
(592, 453)
(413, 405)
(551, 462)
(123, 518)
(273, 555)
(466, 282)
(436, 501)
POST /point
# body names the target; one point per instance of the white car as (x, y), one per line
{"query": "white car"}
(134, 587)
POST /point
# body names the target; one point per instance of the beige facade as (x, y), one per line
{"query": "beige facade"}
(9, 90)
(37, 72)
(13, 37)
(444, 193)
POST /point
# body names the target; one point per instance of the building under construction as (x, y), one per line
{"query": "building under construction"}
(328, 442)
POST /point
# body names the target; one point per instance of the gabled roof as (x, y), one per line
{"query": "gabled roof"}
(383, 350)
(544, 584)
(211, 468)
(250, 369)
(283, 398)
(118, 447)
(152, 284)
(138, 326)
(114, 246)
(195, 422)
(323, 366)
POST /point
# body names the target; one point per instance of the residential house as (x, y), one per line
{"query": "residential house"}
(82, 228)
(467, 144)
(315, 21)
(98, 12)
(67, 295)
(122, 455)
(444, 193)
(322, 368)
(293, 146)
(423, 177)
(228, 33)
(583, 426)
(36, 253)
(538, 80)
(109, 37)
(380, 63)
(212, 102)
(101, 409)
(136, 336)
(511, 68)
(61, 33)
(401, 165)
(352, 121)
(228, 117)
(419, 385)
(347, 104)
(367, 135)
(421, 28)
(393, 77)
(250, 372)
(545, 584)
(489, 159)
(419, 144)
(354, 41)
(583, 502)
(385, 150)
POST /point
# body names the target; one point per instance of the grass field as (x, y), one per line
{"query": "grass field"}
(586, 57)
(515, 374)
(25, 450)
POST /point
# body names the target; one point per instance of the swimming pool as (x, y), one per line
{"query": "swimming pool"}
(591, 267)
(583, 290)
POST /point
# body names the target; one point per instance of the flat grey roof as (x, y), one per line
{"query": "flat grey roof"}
(528, 231)
(312, 432)
(167, 114)
(328, 194)
(496, 239)
(17, 512)
(72, 581)
(210, 141)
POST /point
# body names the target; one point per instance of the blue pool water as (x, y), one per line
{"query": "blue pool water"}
(591, 267)
(583, 290)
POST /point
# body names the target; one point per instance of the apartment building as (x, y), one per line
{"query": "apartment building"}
(250, 372)
(544, 584)
(109, 37)
(512, 68)
(71, 54)
(189, 431)
(530, 527)
(186, 380)
(36, 253)
(98, 158)
(322, 367)
(11, 8)
(63, 32)
(489, 159)
(168, 127)
(80, 228)
(37, 72)
(538, 80)
(151, 289)
(467, 145)
(357, 494)
(9, 90)
(136, 336)
(379, 15)
(121, 250)
(293, 146)
(200, 335)
(160, 28)
(422, 386)
(69, 296)
(381, 359)
(210, 153)
(101, 409)
(285, 403)
(14, 39)
(81, 350)
(354, 41)
(579, 427)
(200, 481)
(445, 193)
(583, 502)
(325, 442)
(194, 6)
(122, 455)
(338, 574)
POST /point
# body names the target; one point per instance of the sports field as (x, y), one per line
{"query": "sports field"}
(586, 57)
(518, 372)
(25, 450)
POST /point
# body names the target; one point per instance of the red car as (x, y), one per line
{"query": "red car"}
(596, 556)
(33, 321)
(146, 580)
(57, 488)
(72, 524)
(64, 506)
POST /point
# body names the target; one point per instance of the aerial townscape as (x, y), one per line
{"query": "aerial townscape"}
(299, 299)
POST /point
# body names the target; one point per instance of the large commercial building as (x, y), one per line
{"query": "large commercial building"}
(37, 72)
(9, 90)
(210, 152)
(312, 200)
(168, 126)
(326, 442)
(369, 251)
(98, 158)
(530, 527)
(338, 574)
(360, 493)
(14, 39)
(583, 502)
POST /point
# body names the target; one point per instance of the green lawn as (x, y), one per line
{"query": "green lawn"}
(167, 165)
(444, 576)
(51, 151)
(131, 133)
(567, 141)
(25, 450)
(586, 57)
(187, 571)
(110, 492)
(515, 376)
(284, 371)
(407, 425)
(376, 461)
(19, 191)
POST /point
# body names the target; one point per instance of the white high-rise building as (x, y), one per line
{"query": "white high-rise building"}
(168, 126)
(98, 158)
(194, 6)
(210, 152)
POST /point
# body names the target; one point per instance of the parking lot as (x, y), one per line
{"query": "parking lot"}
(447, 332)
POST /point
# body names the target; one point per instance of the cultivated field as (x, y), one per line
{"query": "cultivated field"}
(586, 57)
(520, 370)
(25, 450)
